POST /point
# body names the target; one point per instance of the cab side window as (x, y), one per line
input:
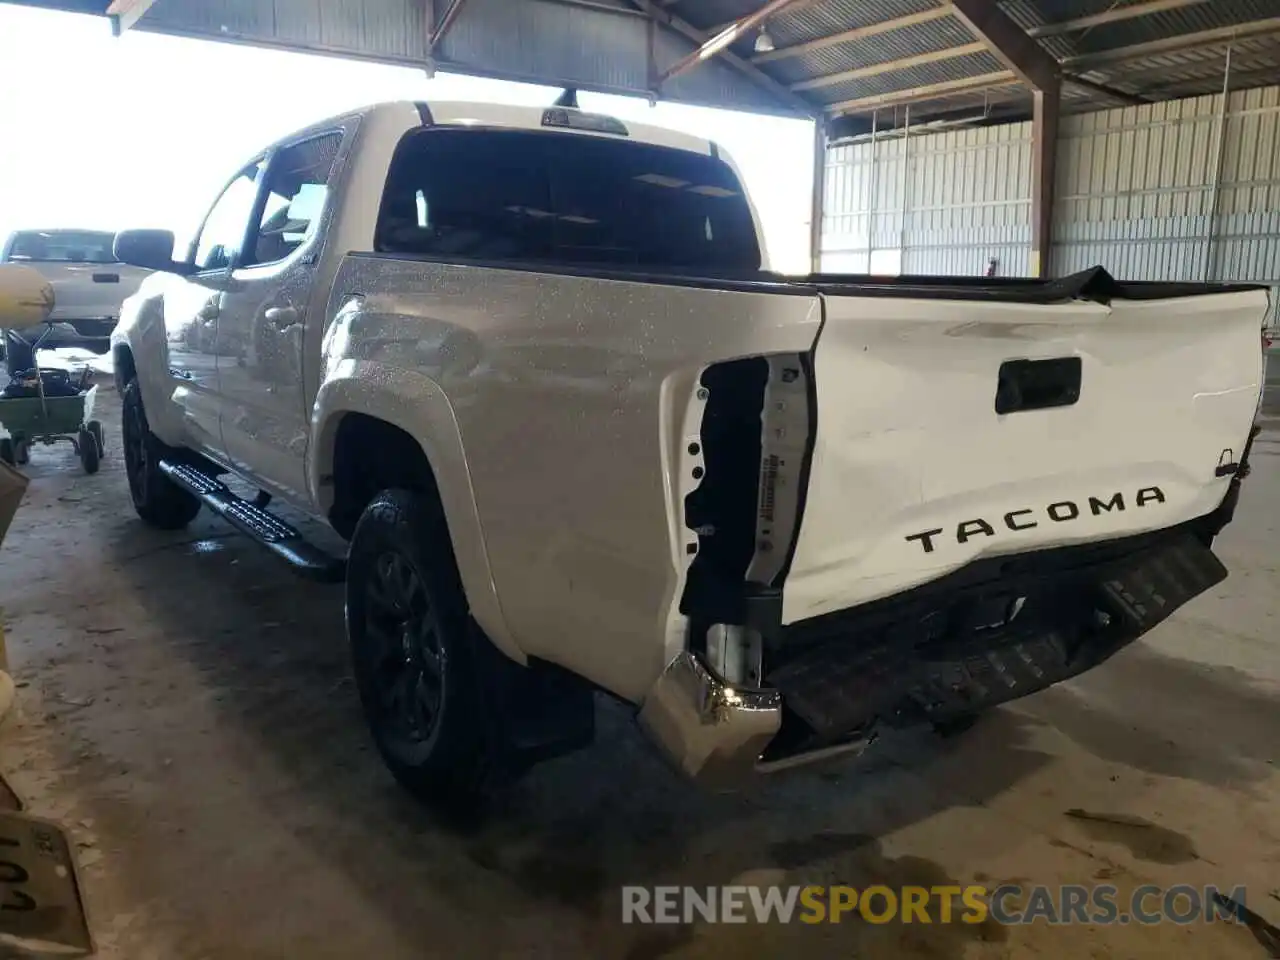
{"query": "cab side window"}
(297, 188)
(227, 222)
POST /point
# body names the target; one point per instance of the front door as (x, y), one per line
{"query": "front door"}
(192, 305)
(265, 423)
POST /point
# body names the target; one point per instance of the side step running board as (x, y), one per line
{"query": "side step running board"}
(277, 536)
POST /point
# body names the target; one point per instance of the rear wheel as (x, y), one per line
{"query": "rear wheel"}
(157, 499)
(415, 659)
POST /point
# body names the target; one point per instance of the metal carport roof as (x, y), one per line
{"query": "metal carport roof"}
(858, 65)
(815, 57)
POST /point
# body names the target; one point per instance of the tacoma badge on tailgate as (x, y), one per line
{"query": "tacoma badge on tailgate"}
(1026, 518)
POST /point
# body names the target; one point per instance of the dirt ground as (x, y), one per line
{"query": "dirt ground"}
(187, 712)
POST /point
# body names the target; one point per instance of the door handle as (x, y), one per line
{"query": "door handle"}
(209, 312)
(281, 317)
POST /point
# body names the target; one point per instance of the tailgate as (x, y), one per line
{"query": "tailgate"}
(1120, 418)
(90, 291)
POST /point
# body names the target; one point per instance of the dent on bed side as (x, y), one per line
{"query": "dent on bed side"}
(412, 402)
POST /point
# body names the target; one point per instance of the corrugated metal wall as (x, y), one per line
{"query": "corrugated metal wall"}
(1165, 191)
(949, 201)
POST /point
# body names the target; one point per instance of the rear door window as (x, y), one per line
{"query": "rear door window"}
(537, 196)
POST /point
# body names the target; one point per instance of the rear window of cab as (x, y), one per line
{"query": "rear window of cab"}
(517, 195)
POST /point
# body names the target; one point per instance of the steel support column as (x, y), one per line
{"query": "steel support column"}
(1212, 271)
(818, 201)
(1038, 70)
(1044, 155)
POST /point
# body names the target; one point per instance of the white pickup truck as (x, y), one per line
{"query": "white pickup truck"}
(530, 365)
(89, 285)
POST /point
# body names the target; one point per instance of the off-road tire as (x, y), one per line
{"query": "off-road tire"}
(157, 499)
(455, 762)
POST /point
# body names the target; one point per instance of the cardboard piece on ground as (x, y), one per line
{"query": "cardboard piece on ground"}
(7, 693)
(41, 906)
(9, 799)
(12, 486)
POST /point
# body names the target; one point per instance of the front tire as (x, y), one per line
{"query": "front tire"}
(414, 653)
(157, 499)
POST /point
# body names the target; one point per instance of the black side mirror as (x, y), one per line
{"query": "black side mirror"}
(150, 249)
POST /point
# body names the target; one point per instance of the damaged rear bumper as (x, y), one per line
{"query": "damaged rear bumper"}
(710, 730)
(931, 654)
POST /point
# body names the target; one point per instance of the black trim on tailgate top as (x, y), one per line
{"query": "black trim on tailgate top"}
(1094, 284)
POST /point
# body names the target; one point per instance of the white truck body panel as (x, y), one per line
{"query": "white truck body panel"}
(92, 286)
(564, 413)
(572, 421)
(908, 440)
(84, 291)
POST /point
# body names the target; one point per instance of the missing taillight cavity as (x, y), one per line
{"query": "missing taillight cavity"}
(722, 509)
(755, 440)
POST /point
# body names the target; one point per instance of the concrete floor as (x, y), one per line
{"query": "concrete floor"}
(188, 714)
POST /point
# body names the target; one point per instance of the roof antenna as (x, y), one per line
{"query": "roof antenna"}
(569, 98)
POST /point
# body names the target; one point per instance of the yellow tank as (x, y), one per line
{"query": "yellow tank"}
(26, 298)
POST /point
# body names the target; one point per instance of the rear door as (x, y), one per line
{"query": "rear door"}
(263, 314)
(949, 430)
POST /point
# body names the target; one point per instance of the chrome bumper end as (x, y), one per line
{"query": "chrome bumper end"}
(712, 731)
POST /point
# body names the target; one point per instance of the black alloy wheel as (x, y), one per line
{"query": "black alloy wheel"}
(408, 659)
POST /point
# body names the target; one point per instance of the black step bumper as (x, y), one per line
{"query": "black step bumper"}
(993, 632)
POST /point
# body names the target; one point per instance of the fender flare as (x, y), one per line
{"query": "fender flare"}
(414, 403)
(146, 341)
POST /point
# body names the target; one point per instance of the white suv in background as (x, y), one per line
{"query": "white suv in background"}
(89, 285)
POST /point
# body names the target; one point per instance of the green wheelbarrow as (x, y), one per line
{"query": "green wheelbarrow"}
(42, 405)
(48, 420)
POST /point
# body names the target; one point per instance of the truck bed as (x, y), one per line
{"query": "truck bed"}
(847, 439)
